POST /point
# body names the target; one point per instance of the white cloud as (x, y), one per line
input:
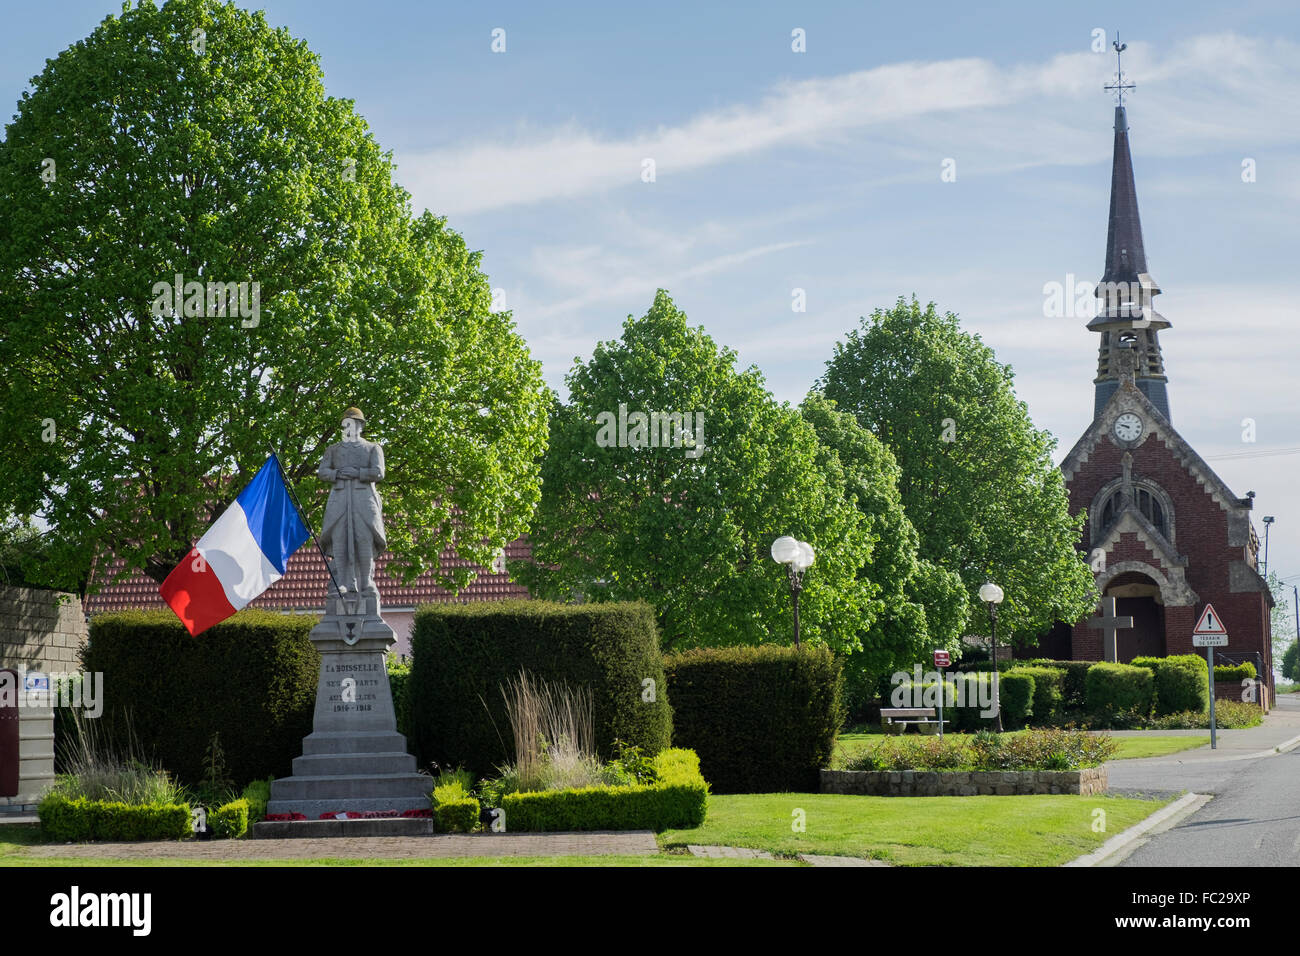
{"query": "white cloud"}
(1196, 95)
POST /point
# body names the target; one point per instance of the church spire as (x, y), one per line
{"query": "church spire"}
(1125, 318)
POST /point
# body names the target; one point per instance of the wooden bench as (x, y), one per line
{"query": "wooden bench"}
(923, 718)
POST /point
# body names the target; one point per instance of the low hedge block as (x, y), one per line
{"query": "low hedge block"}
(462, 654)
(1229, 672)
(1048, 690)
(1119, 688)
(1181, 683)
(1074, 680)
(1016, 693)
(230, 820)
(677, 800)
(78, 820)
(762, 719)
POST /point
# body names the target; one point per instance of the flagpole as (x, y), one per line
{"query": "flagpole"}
(303, 518)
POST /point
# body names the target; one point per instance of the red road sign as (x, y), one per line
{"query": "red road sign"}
(942, 659)
(1210, 622)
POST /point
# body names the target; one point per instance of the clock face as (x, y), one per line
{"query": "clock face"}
(1128, 427)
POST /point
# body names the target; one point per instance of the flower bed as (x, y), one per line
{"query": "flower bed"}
(963, 783)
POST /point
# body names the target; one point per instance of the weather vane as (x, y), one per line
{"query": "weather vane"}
(1119, 86)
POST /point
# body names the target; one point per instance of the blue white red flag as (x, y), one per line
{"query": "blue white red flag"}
(241, 555)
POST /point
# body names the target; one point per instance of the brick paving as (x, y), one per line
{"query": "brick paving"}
(627, 843)
(728, 852)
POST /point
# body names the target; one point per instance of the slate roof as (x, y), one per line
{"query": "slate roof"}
(1126, 258)
(303, 586)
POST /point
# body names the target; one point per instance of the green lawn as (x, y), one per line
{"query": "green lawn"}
(910, 831)
(1129, 747)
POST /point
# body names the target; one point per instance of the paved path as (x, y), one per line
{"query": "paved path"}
(1254, 818)
(744, 853)
(628, 843)
(1204, 770)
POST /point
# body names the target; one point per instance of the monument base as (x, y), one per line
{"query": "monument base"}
(354, 759)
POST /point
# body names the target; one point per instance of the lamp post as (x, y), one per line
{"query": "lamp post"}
(1268, 523)
(798, 557)
(992, 595)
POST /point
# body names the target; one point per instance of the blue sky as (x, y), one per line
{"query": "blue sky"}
(821, 170)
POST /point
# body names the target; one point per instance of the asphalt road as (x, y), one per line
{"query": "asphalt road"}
(1253, 820)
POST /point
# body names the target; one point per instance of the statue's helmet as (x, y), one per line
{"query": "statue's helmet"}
(354, 412)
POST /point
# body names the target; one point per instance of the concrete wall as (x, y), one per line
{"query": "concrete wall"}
(41, 630)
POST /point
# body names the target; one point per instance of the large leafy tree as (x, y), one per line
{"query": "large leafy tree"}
(917, 605)
(196, 140)
(976, 477)
(691, 534)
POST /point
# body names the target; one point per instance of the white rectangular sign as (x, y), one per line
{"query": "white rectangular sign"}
(1209, 640)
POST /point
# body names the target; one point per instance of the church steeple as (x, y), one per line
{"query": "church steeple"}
(1125, 317)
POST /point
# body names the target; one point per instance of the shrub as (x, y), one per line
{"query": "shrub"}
(1236, 714)
(1115, 688)
(1074, 681)
(257, 795)
(1048, 694)
(399, 676)
(912, 753)
(678, 799)
(251, 678)
(1234, 673)
(77, 820)
(1181, 682)
(104, 768)
(462, 654)
(1016, 694)
(1049, 749)
(976, 686)
(454, 810)
(1291, 661)
(230, 820)
(762, 719)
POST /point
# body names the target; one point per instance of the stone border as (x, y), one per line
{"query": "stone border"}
(963, 783)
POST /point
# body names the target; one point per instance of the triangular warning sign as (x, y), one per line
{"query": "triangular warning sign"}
(1210, 623)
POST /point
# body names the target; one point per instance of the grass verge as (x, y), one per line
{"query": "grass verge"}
(917, 831)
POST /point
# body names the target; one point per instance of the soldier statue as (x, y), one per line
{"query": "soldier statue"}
(353, 530)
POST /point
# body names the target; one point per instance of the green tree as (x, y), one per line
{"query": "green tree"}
(918, 606)
(689, 529)
(977, 479)
(196, 140)
(1291, 662)
(1282, 617)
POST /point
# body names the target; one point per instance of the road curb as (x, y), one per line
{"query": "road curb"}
(1105, 855)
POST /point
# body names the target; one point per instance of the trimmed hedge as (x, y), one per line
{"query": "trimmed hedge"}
(454, 810)
(399, 677)
(1181, 683)
(1118, 688)
(251, 678)
(463, 653)
(257, 795)
(1074, 683)
(78, 820)
(1048, 694)
(1016, 694)
(678, 799)
(230, 820)
(1229, 672)
(762, 719)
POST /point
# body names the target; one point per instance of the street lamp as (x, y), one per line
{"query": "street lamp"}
(1268, 523)
(992, 595)
(798, 557)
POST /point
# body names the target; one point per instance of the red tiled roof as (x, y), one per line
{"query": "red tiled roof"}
(303, 586)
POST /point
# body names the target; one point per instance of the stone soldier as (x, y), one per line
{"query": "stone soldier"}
(353, 531)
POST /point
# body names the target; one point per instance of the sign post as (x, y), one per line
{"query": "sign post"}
(941, 660)
(1210, 633)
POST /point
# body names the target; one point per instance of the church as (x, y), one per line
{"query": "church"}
(1164, 535)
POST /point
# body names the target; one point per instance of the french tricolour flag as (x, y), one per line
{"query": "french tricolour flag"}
(240, 556)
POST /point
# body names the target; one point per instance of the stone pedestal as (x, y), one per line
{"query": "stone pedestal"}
(354, 759)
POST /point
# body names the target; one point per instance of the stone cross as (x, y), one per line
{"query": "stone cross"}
(1109, 624)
